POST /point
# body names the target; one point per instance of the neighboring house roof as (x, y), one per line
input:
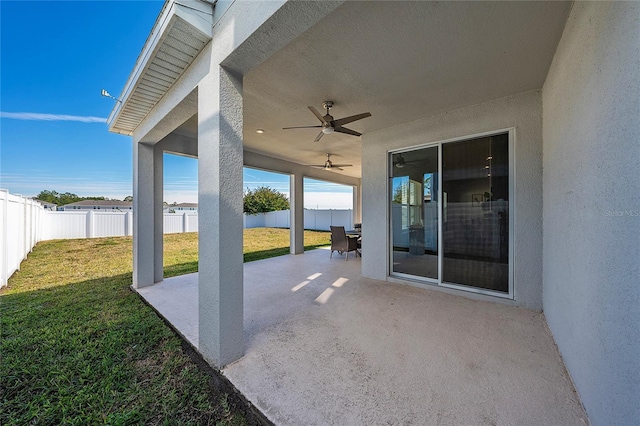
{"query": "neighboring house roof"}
(109, 203)
(45, 203)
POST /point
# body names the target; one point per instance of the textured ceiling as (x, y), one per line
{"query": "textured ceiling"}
(401, 61)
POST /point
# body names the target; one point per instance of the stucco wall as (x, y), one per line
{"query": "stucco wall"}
(591, 111)
(522, 112)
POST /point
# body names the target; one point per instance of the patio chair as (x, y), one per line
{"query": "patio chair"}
(342, 243)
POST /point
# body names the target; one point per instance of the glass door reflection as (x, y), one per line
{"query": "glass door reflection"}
(414, 212)
(475, 215)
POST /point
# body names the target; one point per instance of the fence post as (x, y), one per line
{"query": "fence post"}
(20, 217)
(25, 235)
(4, 261)
(185, 222)
(90, 224)
(30, 214)
(127, 224)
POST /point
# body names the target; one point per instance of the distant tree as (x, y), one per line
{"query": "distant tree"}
(128, 198)
(397, 193)
(48, 196)
(264, 199)
(62, 199)
(400, 192)
(68, 198)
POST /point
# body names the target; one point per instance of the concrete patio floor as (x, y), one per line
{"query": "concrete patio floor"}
(325, 346)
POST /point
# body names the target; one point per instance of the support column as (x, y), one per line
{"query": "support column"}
(147, 215)
(220, 268)
(296, 222)
(158, 213)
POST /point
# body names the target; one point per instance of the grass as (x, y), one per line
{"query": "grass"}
(262, 243)
(181, 250)
(78, 347)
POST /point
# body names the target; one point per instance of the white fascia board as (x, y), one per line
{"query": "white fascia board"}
(198, 14)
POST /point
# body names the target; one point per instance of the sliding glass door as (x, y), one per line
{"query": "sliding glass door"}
(462, 241)
(414, 213)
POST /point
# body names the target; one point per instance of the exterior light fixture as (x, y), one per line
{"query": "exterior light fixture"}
(107, 95)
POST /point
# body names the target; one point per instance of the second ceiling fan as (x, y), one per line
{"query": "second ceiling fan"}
(329, 125)
(328, 165)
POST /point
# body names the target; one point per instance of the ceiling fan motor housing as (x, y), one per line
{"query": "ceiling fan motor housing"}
(327, 128)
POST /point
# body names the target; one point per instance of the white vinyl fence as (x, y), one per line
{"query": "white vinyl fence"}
(25, 222)
(94, 224)
(319, 220)
(20, 230)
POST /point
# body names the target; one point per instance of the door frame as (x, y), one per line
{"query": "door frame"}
(431, 282)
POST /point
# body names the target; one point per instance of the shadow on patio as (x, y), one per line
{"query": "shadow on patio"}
(323, 345)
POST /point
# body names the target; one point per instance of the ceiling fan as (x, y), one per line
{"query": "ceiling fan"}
(328, 165)
(329, 125)
(401, 163)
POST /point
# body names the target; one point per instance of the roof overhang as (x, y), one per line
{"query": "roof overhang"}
(181, 31)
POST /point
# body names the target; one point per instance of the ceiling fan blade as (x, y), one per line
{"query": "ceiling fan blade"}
(347, 131)
(351, 119)
(336, 167)
(301, 127)
(320, 135)
(318, 115)
(342, 165)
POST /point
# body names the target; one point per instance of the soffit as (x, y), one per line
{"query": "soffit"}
(180, 34)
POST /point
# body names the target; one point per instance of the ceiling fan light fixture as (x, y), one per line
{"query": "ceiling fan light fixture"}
(259, 131)
(328, 164)
(329, 125)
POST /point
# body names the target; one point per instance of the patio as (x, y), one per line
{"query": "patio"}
(323, 345)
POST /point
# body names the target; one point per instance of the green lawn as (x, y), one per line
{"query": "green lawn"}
(78, 347)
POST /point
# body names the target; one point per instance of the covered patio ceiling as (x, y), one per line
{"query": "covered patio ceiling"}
(399, 60)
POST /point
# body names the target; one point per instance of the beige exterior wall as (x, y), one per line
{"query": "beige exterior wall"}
(591, 104)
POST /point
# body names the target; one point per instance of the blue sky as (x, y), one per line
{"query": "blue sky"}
(55, 59)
